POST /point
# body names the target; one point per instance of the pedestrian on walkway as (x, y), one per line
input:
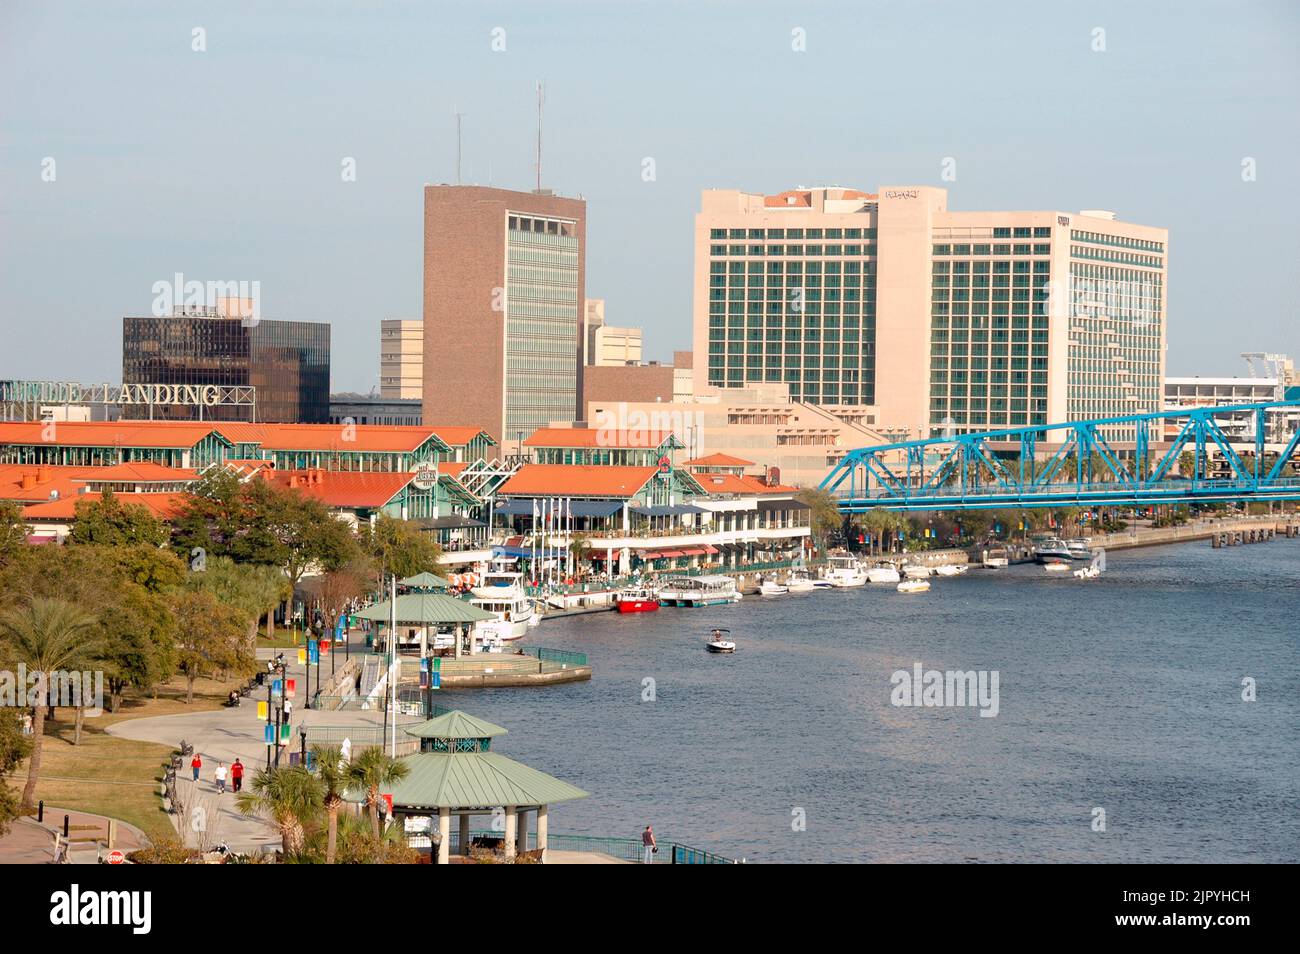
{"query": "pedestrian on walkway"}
(648, 846)
(196, 763)
(237, 776)
(221, 778)
(288, 708)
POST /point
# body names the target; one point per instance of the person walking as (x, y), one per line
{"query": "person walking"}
(648, 846)
(196, 763)
(237, 776)
(221, 778)
(288, 708)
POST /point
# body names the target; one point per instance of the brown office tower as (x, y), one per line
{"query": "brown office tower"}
(504, 285)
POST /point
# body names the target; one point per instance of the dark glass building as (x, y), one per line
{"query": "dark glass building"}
(288, 362)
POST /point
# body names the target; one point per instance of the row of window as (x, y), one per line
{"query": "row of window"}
(792, 233)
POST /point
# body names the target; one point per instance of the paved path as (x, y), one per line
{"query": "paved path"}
(30, 842)
(224, 735)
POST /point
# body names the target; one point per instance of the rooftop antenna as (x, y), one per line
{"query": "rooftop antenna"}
(458, 116)
(540, 99)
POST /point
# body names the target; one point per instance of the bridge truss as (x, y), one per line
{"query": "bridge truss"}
(1075, 465)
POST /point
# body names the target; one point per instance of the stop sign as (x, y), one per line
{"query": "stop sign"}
(116, 857)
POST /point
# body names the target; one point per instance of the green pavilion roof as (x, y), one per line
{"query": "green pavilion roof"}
(425, 581)
(428, 608)
(474, 780)
(455, 725)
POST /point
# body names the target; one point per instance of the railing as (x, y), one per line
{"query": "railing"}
(624, 849)
(562, 657)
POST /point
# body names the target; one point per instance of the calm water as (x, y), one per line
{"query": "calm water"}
(1122, 693)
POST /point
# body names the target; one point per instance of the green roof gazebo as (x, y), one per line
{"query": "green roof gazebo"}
(425, 581)
(421, 612)
(456, 773)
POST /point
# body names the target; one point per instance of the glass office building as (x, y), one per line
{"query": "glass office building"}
(288, 362)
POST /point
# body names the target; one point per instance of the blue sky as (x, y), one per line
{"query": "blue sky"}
(225, 164)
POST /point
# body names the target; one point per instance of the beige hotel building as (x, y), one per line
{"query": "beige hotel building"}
(913, 320)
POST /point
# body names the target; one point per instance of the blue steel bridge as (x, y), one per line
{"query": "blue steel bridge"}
(1078, 466)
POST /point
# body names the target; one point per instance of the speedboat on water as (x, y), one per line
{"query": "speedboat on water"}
(996, 559)
(1052, 550)
(719, 641)
(950, 569)
(916, 571)
(772, 588)
(1079, 549)
(638, 599)
(801, 581)
(1056, 567)
(883, 573)
(913, 586)
(845, 571)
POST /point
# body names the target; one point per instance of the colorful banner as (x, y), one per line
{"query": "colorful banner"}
(313, 652)
(261, 710)
(302, 657)
(268, 733)
(292, 685)
(286, 733)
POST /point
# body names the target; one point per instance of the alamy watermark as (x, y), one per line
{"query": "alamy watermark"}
(934, 689)
(224, 299)
(26, 689)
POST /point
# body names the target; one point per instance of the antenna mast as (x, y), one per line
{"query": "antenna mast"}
(539, 135)
(458, 116)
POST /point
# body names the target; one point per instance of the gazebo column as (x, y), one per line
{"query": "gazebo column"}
(464, 833)
(444, 835)
(541, 831)
(521, 831)
(511, 818)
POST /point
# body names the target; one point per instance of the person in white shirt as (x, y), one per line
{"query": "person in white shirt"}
(221, 777)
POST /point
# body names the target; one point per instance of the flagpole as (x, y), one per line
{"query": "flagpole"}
(392, 652)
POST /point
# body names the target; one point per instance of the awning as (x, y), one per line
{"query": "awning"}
(766, 505)
(526, 553)
(667, 511)
(523, 507)
(452, 521)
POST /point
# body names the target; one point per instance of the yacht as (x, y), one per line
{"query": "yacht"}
(1052, 550)
(845, 570)
(696, 591)
(883, 573)
(502, 593)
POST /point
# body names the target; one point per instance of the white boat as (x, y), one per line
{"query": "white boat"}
(1093, 569)
(502, 594)
(1056, 567)
(696, 591)
(913, 586)
(950, 569)
(1079, 549)
(719, 641)
(996, 559)
(800, 581)
(883, 573)
(1052, 549)
(772, 588)
(844, 571)
(916, 571)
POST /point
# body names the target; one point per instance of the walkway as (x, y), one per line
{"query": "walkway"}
(30, 842)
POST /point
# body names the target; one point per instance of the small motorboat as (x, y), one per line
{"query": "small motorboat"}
(1079, 549)
(950, 569)
(800, 581)
(844, 570)
(913, 586)
(916, 571)
(772, 588)
(996, 559)
(1052, 549)
(883, 573)
(636, 600)
(720, 642)
(1056, 567)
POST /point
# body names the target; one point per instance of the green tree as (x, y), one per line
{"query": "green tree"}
(109, 522)
(210, 638)
(212, 519)
(13, 531)
(290, 530)
(824, 513)
(47, 636)
(14, 747)
(291, 796)
(373, 770)
(401, 548)
(1187, 464)
(333, 774)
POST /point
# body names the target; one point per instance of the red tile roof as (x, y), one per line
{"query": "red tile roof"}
(106, 433)
(35, 482)
(576, 480)
(65, 508)
(597, 437)
(718, 460)
(740, 485)
(343, 489)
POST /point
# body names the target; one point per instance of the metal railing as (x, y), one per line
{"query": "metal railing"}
(562, 657)
(624, 849)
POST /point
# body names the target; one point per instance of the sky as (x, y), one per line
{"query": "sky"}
(226, 163)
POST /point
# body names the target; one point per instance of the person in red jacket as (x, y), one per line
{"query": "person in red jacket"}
(196, 763)
(237, 775)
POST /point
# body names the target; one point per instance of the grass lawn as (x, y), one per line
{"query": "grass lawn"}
(111, 776)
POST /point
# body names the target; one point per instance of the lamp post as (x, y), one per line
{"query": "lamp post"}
(302, 734)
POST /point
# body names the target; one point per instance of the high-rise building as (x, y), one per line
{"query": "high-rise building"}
(608, 345)
(504, 294)
(287, 362)
(937, 321)
(401, 358)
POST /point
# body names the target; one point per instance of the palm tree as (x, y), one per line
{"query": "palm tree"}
(47, 635)
(333, 774)
(372, 770)
(291, 796)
